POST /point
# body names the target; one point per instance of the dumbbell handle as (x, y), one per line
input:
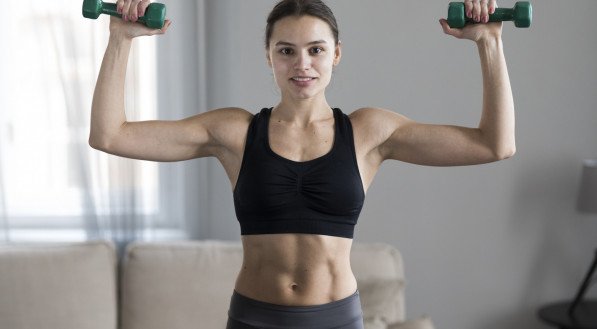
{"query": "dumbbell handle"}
(110, 9)
(500, 15)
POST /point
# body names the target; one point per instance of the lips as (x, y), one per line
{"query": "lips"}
(303, 82)
(302, 79)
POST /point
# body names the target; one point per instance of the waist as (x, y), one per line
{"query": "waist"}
(259, 314)
(344, 229)
(296, 269)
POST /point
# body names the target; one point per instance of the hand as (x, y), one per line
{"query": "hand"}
(479, 11)
(474, 32)
(131, 10)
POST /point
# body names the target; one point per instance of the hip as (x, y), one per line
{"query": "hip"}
(249, 313)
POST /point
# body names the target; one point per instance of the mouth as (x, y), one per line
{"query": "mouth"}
(302, 79)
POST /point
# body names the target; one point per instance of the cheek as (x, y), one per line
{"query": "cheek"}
(278, 70)
(326, 66)
(278, 64)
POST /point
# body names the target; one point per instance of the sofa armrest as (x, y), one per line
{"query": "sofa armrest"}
(423, 322)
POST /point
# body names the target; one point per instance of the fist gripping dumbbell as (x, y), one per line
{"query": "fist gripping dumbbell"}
(154, 16)
(521, 14)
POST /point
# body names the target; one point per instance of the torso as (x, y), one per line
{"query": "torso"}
(298, 269)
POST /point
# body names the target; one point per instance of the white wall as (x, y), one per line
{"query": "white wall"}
(484, 246)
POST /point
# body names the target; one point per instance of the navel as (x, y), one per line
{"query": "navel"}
(294, 286)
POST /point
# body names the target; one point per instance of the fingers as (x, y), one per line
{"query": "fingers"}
(492, 6)
(484, 17)
(479, 10)
(468, 8)
(141, 7)
(131, 10)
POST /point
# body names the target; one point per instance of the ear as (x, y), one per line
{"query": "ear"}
(338, 53)
(268, 57)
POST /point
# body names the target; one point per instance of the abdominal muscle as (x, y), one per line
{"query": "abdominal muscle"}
(296, 269)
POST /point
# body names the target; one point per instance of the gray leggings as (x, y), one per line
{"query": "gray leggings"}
(247, 313)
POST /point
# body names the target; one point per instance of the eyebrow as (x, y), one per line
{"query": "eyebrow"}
(284, 43)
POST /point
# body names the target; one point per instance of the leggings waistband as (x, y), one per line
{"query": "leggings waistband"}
(345, 314)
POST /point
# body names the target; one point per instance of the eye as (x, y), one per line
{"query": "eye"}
(286, 51)
(316, 50)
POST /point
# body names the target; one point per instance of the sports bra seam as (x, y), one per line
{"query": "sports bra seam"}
(298, 218)
(250, 129)
(325, 156)
(353, 152)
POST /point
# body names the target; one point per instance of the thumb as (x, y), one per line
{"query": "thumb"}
(450, 31)
(163, 29)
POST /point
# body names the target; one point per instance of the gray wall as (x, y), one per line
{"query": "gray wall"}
(484, 246)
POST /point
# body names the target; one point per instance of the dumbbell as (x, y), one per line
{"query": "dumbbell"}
(521, 14)
(154, 16)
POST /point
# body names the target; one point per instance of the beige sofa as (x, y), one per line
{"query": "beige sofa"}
(174, 285)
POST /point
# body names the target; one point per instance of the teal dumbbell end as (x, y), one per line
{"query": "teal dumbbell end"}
(521, 14)
(154, 17)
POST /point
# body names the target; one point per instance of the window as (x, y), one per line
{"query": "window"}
(49, 176)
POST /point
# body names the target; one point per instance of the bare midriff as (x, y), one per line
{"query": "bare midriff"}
(296, 269)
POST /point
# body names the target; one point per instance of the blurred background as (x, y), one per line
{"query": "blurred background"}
(484, 246)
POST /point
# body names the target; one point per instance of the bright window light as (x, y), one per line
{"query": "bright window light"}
(49, 60)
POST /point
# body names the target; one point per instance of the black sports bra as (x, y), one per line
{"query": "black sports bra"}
(276, 195)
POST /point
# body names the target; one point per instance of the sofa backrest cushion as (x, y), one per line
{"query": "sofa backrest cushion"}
(379, 271)
(58, 286)
(184, 285)
(178, 285)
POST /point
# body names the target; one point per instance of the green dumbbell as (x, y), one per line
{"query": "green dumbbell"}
(521, 14)
(154, 16)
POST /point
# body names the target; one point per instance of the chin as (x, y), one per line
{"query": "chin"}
(305, 94)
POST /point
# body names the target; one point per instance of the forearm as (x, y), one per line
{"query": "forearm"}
(107, 110)
(497, 120)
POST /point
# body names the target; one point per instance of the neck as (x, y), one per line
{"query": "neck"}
(303, 111)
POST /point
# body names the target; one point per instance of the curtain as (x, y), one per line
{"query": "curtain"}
(51, 181)
(3, 217)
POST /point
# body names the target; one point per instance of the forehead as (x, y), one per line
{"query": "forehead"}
(302, 29)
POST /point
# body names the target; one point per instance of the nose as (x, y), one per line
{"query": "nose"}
(303, 61)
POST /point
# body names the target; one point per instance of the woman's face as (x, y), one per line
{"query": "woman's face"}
(302, 53)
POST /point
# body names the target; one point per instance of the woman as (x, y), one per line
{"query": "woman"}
(300, 170)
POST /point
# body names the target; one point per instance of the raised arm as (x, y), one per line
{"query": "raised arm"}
(207, 134)
(402, 139)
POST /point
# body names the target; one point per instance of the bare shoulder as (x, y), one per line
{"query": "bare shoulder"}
(373, 126)
(219, 128)
(228, 126)
(222, 120)
(373, 115)
(227, 115)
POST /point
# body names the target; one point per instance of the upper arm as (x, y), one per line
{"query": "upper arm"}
(436, 145)
(394, 136)
(201, 135)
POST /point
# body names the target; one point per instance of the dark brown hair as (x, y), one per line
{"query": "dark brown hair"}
(315, 8)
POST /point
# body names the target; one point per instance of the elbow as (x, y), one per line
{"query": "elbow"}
(95, 143)
(103, 139)
(504, 153)
(98, 142)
